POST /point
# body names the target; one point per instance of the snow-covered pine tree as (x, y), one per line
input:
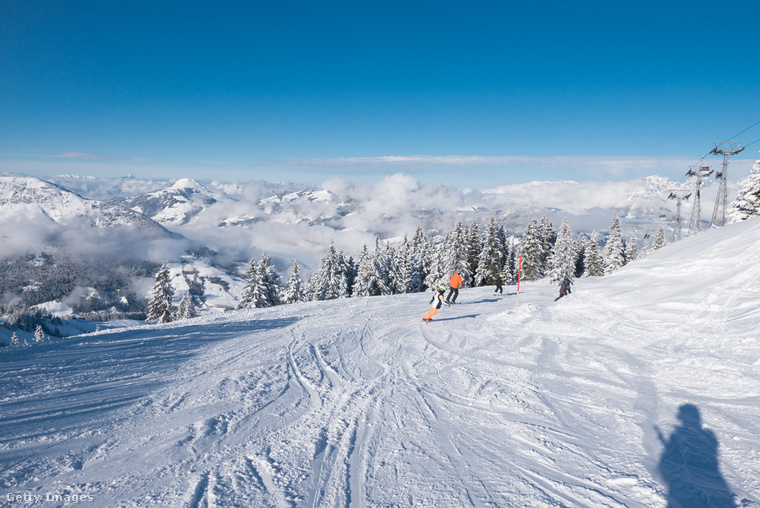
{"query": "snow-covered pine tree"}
(351, 269)
(613, 256)
(632, 247)
(386, 262)
(509, 263)
(363, 286)
(160, 307)
(437, 273)
(39, 334)
(271, 282)
(325, 283)
(548, 236)
(187, 308)
(489, 259)
(254, 292)
(419, 261)
(457, 255)
(580, 254)
(531, 248)
(402, 276)
(345, 275)
(474, 247)
(295, 292)
(14, 340)
(747, 202)
(594, 263)
(659, 240)
(561, 260)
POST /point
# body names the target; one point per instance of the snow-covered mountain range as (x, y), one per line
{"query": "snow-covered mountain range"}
(218, 226)
(638, 390)
(25, 199)
(248, 218)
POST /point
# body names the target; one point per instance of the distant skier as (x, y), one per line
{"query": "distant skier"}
(438, 299)
(564, 287)
(454, 282)
(499, 282)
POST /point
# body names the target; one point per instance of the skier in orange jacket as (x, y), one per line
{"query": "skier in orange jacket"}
(454, 282)
(438, 299)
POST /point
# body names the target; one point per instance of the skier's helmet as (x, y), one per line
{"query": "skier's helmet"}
(442, 288)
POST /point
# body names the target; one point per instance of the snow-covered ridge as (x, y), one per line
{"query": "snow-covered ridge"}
(34, 200)
(174, 205)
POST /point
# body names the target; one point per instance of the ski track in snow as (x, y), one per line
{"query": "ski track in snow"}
(357, 403)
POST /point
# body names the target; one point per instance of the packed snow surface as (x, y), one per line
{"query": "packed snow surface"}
(639, 389)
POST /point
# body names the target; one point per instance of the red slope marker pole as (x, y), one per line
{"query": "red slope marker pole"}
(519, 273)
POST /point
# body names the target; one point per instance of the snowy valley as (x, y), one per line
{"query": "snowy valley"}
(640, 389)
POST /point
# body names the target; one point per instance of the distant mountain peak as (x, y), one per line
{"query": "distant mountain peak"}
(188, 184)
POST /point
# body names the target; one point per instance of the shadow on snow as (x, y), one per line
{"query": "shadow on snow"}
(455, 318)
(689, 465)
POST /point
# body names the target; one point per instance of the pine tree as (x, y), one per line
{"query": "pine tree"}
(580, 254)
(254, 293)
(504, 244)
(363, 286)
(295, 292)
(386, 264)
(402, 276)
(437, 274)
(271, 282)
(474, 247)
(350, 269)
(457, 255)
(531, 249)
(489, 260)
(345, 274)
(419, 262)
(548, 236)
(613, 256)
(187, 308)
(747, 202)
(594, 263)
(160, 308)
(509, 263)
(659, 240)
(39, 334)
(561, 260)
(330, 281)
(14, 340)
(632, 248)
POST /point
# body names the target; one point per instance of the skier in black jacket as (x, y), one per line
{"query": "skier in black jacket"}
(499, 282)
(564, 288)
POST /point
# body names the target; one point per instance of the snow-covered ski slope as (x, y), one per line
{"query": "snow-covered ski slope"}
(639, 389)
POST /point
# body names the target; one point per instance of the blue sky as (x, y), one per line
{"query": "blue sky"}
(469, 94)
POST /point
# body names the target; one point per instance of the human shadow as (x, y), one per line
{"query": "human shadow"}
(458, 317)
(689, 465)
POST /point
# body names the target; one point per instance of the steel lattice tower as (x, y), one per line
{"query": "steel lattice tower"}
(695, 221)
(678, 195)
(719, 213)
